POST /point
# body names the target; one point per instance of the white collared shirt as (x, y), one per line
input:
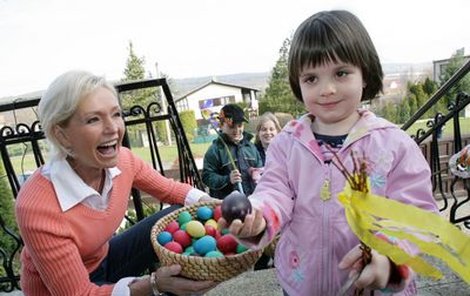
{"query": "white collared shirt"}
(71, 190)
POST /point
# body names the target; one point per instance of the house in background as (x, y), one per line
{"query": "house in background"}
(213, 95)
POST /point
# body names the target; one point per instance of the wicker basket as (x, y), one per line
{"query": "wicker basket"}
(201, 268)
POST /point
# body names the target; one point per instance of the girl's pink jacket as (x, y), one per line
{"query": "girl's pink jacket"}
(314, 233)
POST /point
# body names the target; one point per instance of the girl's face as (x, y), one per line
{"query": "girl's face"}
(94, 132)
(332, 92)
(267, 132)
(234, 132)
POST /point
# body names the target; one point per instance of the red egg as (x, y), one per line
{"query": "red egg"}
(210, 230)
(172, 227)
(217, 235)
(227, 244)
(182, 237)
(217, 212)
(174, 247)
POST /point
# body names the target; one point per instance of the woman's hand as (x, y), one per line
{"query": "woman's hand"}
(374, 275)
(169, 281)
(253, 225)
(208, 198)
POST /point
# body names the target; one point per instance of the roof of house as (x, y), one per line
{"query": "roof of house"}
(213, 81)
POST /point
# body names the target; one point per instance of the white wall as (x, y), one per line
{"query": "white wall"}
(209, 92)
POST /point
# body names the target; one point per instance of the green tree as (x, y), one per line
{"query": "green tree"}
(278, 96)
(135, 70)
(7, 213)
(188, 120)
(455, 63)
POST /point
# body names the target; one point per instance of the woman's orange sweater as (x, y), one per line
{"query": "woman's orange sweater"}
(62, 248)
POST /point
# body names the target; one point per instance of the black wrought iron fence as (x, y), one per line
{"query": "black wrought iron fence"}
(454, 191)
(30, 136)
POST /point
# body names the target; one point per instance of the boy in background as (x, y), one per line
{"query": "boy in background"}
(219, 173)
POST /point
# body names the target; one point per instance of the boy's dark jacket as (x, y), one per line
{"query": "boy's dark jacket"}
(217, 166)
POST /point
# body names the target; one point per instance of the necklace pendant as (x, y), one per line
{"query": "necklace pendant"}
(325, 193)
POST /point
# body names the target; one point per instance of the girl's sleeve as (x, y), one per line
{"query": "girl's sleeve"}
(409, 180)
(274, 195)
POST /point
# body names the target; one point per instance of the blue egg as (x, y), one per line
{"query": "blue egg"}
(204, 213)
(204, 245)
(164, 237)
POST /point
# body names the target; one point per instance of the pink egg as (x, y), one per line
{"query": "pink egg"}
(210, 230)
(174, 247)
(182, 237)
(172, 227)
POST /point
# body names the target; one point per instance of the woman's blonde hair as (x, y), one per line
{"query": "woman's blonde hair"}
(60, 101)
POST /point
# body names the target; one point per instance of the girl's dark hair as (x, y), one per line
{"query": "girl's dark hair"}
(335, 36)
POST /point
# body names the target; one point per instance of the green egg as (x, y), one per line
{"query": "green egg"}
(184, 217)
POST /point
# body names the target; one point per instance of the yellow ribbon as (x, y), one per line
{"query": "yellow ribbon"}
(367, 213)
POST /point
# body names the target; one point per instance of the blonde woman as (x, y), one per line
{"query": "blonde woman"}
(268, 127)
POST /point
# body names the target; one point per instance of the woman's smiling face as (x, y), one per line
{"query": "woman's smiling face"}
(267, 132)
(94, 132)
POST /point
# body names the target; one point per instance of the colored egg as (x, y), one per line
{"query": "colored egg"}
(241, 248)
(204, 245)
(212, 223)
(227, 244)
(164, 237)
(204, 213)
(217, 212)
(225, 231)
(172, 227)
(189, 251)
(182, 237)
(195, 229)
(174, 247)
(184, 217)
(183, 227)
(210, 230)
(214, 254)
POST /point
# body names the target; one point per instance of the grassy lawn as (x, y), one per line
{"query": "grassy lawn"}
(448, 128)
(168, 154)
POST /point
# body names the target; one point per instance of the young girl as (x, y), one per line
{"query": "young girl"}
(333, 66)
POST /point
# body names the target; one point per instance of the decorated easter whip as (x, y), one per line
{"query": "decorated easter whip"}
(371, 217)
(358, 182)
(213, 119)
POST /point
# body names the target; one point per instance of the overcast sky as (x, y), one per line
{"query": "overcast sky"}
(40, 39)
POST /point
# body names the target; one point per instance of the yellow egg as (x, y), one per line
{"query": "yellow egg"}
(212, 223)
(195, 229)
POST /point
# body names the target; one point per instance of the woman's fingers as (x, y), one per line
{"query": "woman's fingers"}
(169, 281)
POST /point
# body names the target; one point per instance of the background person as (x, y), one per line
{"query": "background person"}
(333, 66)
(69, 210)
(218, 172)
(267, 128)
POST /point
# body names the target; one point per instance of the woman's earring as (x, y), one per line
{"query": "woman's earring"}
(69, 152)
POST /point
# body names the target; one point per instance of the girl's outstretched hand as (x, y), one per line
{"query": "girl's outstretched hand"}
(374, 275)
(253, 225)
